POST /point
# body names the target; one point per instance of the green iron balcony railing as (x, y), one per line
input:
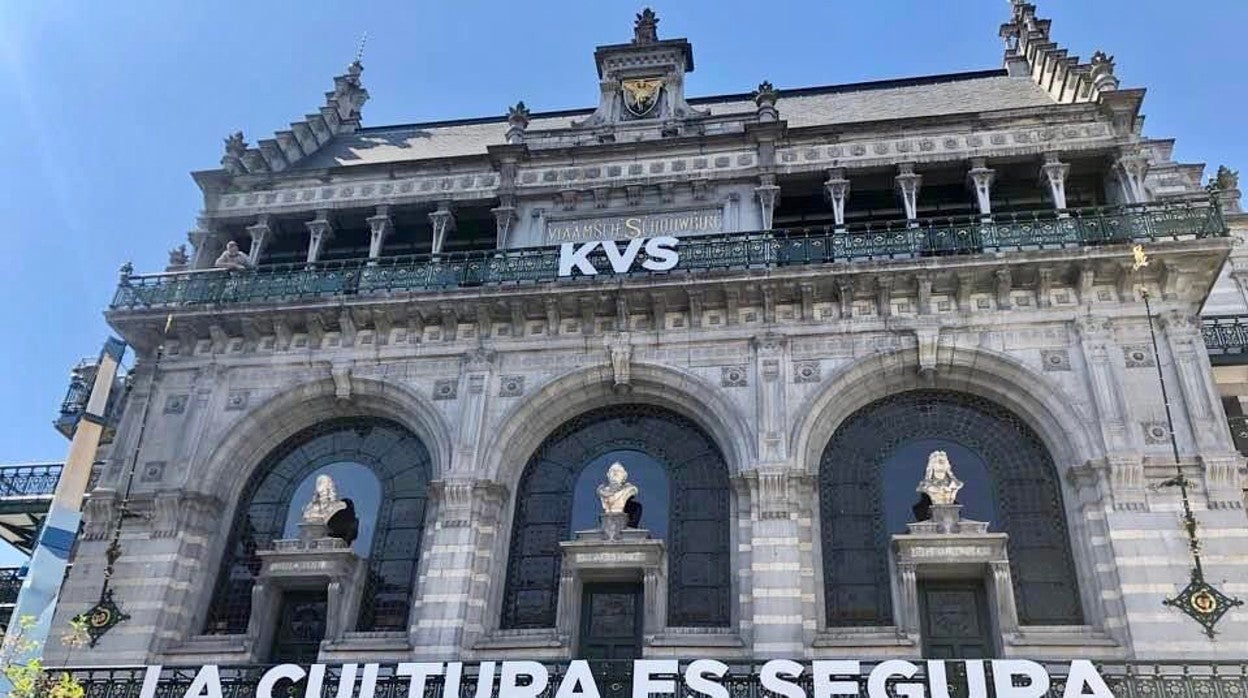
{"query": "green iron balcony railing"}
(29, 480)
(1226, 338)
(613, 679)
(1039, 230)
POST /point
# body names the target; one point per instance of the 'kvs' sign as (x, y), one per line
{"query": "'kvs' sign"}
(660, 255)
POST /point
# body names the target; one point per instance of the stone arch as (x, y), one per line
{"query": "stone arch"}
(267, 426)
(1018, 476)
(522, 429)
(1003, 380)
(226, 472)
(1071, 439)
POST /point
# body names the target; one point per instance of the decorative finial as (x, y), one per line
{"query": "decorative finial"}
(1226, 179)
(1141, 258)
(178, 259)
(126, 270)
(517, 122)
(359, 52)
(765, 97)
(235, 144)
(646, 28)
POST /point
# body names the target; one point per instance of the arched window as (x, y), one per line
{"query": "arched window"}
(867, 480)
(382, 467)
(678, 469)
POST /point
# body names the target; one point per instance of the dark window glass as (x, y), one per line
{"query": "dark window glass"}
(398, 466)
(867, 477)
(555, 496)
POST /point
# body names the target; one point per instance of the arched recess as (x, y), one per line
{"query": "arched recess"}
(523, 429)
(402, 465)
(699, 524)
(1023, 480)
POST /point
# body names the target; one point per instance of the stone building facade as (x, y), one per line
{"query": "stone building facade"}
(774, 305)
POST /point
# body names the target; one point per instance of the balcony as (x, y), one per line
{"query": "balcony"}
(1226, 338)
(945, 237)
(1177, 678)
(25, 495)
(10, 585)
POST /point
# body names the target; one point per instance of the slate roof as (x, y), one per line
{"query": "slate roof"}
(841, 104)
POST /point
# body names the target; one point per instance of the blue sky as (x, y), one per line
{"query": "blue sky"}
(106, 107)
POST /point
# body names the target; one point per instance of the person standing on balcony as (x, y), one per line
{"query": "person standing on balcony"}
(232, 258)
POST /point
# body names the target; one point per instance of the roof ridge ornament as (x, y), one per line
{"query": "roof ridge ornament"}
(1031, 51)
(339, 114)
(646, 27)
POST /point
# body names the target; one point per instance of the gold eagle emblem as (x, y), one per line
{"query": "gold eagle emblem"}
(641, 94)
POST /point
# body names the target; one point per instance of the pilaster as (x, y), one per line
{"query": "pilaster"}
(770, 352)
(319, 232)
(908, 186)
(380, 226)
(1096, 339)
(1054, 172)
(781, 590)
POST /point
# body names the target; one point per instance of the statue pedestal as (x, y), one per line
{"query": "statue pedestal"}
(630, 556)
(947, 547)
(307, 563)
(613, 526)
(311, 531)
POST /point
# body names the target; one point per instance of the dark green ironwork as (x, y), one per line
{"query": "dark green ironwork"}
(1226, 338)
(614, 678)
(29, 480)
(1011, 232)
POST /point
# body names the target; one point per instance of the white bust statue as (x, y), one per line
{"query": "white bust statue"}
(617, 490)
(939, 482)
(325, 501)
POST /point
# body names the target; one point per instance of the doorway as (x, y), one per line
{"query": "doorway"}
(300, 627)
(955, 621)
(611, 621)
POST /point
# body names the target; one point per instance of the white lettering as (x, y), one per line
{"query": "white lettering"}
(346, 680)
(697, 677)
(1004, 671)
(1083, 674)
(644, 683)
(773, 670)
(621, 263)
(976, 680)
(316, 679)
(571, 255)
(485, 680)
(662, 253)
(207, 683)
(454, 675)
(151, 677)
(509, 685)
(824, 670)
(877, 682)
(578, 682)
(290, 672)
(368, 683)
(419, 672)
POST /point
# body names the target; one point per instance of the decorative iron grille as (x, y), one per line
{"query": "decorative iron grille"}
(1024, 482)
(1226, 338)
(29, 480)
(1005, 232)
(402, 466)
(698, 518)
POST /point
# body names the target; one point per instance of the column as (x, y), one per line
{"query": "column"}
(443, 221)
(1191, 363)
(457, 566)
(259, 233)
(504, 219)
(776, 609)
(837, 190)
(768, 194)
(1054, 172)
(379, 226)
(981, 177)
(908, 185)
(1131, 169)
(319, 232)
